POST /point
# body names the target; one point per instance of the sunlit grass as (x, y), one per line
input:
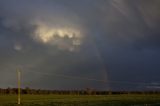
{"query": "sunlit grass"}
(80, 100)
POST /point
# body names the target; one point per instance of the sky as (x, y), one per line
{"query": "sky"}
(78, 44)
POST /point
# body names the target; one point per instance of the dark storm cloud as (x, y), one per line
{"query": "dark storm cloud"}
(120, 42)
(19, 49)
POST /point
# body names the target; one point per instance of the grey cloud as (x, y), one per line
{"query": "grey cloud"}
(120, 42)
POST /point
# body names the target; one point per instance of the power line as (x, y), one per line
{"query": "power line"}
(89, 79)
(67, 76)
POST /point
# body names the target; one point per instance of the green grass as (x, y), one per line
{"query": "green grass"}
(81, 100)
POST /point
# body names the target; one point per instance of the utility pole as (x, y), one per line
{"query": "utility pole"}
(19, 86)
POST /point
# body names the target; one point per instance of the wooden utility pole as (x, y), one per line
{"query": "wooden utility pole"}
(19, 86)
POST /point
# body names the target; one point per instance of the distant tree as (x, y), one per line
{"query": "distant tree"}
(27, 90)
(10, 91)
(89, 91)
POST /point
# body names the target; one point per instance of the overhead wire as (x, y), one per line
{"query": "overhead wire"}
(88, 79)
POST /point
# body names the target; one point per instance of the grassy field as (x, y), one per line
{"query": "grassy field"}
(81, 100)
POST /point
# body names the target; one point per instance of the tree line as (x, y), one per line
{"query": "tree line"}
(87, 91)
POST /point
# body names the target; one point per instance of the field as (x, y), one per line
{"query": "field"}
(82, 100)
